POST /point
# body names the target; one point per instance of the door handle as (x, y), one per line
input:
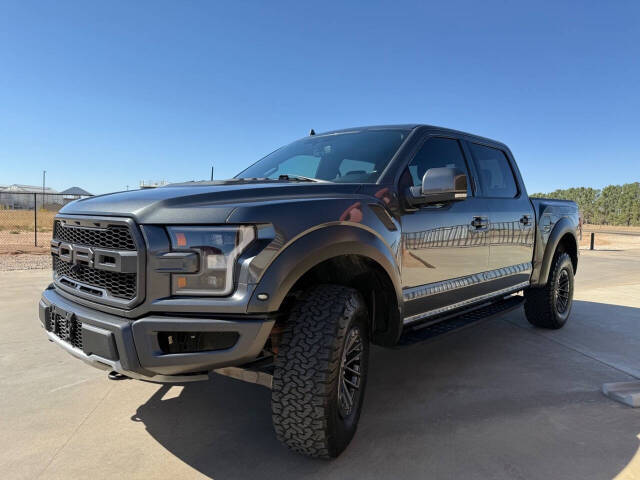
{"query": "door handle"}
(525, 219)
(480, 223)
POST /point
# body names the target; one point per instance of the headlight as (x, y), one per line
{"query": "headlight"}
(218, 249)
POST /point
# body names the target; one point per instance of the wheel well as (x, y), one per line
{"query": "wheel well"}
(366, 276)
(567, 244)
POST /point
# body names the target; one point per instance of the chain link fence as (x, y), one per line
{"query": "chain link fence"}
(26, 220)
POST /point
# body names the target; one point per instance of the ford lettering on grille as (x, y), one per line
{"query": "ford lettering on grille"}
(100, 263)
(100, 258)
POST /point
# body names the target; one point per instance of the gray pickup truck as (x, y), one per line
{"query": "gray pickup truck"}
(286, 273)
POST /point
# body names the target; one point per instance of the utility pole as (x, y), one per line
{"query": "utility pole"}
(44, 174)
(212, 173)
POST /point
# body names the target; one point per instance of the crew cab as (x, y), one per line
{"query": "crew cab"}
(285, 274)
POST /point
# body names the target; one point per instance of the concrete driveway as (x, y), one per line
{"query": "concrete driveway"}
(500, 400)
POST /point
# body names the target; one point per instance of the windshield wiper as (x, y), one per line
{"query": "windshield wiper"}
(301, 178)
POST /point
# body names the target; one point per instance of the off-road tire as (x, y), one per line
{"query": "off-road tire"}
(542, 307)
(307, 415)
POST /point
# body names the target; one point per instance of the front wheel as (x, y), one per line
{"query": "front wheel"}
(321, 372)
(549, 306)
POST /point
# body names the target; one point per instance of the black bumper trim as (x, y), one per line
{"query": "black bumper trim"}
(131, 347)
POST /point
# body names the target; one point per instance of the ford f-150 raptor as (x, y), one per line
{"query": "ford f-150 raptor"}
(286, 273)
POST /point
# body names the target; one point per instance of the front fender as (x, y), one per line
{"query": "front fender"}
(313, 248)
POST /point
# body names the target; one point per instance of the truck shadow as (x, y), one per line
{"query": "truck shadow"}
(442, 408)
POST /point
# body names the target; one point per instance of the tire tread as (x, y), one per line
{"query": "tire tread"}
(306, 368)
(538, 306)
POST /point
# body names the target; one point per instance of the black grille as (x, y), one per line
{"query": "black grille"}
(117, 237)
(67, 329)
(121, 285)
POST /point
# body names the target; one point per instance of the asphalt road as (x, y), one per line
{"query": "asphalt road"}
(500, 400)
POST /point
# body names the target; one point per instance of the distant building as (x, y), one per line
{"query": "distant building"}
(75, 193)
(18, 188)
(153, 184)
(16, 196)
(19, 196)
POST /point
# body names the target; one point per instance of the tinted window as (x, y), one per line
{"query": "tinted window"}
(496, 176)
(305, 165)
(350, 167)
(355, 156)
(438, 152)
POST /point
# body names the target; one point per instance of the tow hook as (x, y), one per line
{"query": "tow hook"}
(113, 375)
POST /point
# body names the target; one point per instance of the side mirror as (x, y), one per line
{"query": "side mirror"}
(439, 185)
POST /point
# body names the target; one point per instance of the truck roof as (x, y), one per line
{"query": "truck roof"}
(411, 126)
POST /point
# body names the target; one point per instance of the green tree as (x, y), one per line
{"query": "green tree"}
(613, 205)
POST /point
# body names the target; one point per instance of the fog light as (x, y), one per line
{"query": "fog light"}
(193, 342)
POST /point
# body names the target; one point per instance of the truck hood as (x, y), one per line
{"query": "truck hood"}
(207, 202)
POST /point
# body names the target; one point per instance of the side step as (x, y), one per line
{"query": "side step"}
(451, 323)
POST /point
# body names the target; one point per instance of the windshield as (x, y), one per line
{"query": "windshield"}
(349, 157)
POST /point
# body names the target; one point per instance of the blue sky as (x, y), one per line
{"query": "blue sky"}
(105, 94)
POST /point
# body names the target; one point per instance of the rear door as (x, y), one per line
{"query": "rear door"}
(444, 246)
(512, 221)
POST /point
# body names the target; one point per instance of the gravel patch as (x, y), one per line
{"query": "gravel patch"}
(24, 261)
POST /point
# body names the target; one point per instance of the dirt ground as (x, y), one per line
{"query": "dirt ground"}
(22, 220)
(609, 241)
(611, 228)
(17, 231)
(24, 242)
(25, 261)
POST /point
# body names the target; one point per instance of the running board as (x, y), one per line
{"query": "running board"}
(458, 321)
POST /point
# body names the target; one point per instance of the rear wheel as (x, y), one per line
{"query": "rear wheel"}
(550, 306)
(321, 372)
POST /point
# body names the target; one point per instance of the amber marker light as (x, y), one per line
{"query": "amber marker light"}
(181, 240)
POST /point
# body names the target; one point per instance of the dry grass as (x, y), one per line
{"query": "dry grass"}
(18, 221)
(606, 241)
(24, 242)
(610, 241)
(610, 228)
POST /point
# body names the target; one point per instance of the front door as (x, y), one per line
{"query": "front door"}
(444, 246)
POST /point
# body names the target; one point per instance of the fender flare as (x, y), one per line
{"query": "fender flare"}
(314, 248)
(541, 274)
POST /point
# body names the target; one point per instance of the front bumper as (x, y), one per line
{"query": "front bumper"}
(131, 347)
